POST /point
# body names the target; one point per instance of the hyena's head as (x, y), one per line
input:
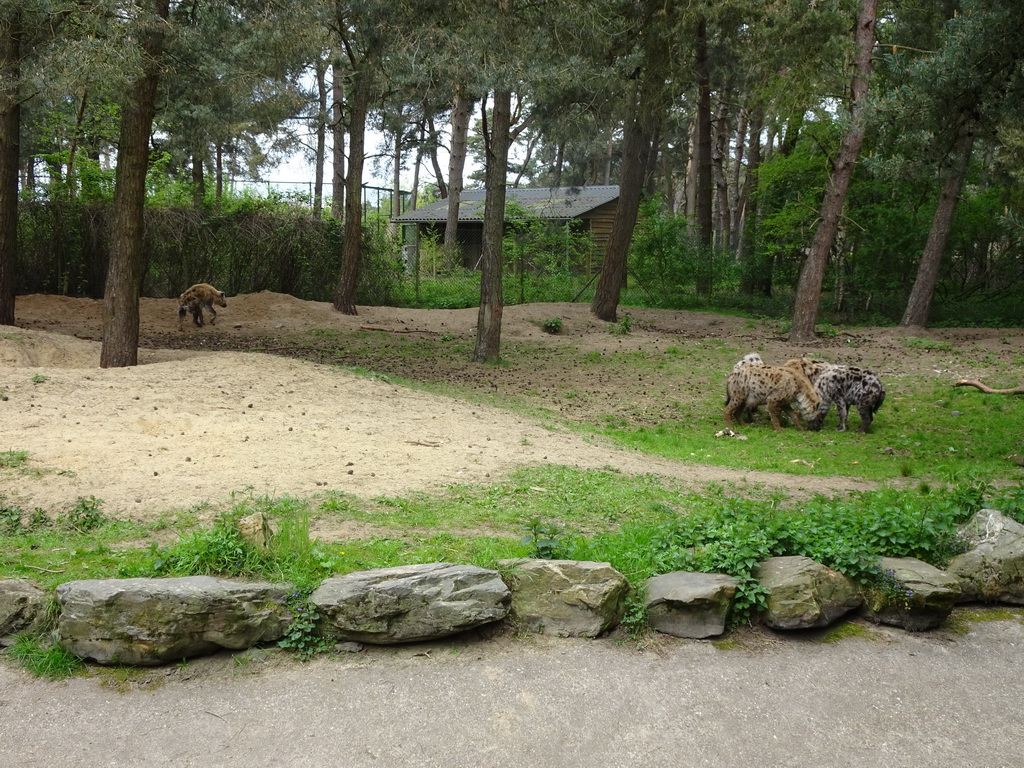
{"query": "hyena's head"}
(751, 358)
(219, 299)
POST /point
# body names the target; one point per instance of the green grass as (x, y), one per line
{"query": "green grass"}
(45, 660)
(13, 459)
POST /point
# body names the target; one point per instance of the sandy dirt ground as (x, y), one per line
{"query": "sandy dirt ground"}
(193, 426)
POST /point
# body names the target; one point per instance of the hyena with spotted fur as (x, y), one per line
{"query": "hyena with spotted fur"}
(750, 385)
(194, 299)
(847, 385)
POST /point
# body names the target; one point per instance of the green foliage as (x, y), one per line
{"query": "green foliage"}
(622, 326)
(85, 516)
(302, 637)
(552, 326)
(49, 660)
(544, 539)
(219, 550)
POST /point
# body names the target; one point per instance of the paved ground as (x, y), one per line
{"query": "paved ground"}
(885, 699)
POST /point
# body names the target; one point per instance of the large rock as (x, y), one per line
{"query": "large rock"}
(568, 598)
(687, 604)
(410, 602)
(803, 593)
(993, 569)
(919, 596)
(22, 609)
(153, 621)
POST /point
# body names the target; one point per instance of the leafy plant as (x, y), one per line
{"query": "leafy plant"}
(623, 326)
(85, 516)
(303, 637)
(544, 539)
(552, 326)
(39, 378)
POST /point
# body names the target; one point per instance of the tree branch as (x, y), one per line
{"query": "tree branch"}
(1018, 390)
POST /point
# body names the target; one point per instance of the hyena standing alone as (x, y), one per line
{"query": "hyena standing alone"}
(750, 385)
(194, 299)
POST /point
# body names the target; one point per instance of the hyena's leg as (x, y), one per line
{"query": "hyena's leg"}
(773, 411)
(841, 410)
(197, 315)
(866, 416)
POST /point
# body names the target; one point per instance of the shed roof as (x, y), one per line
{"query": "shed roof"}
(553, 203)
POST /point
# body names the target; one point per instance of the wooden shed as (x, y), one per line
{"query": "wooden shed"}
(592, 208)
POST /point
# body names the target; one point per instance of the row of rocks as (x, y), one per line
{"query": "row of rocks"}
(155, 621)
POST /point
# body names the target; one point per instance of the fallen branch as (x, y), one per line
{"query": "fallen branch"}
(1018, 390)
(395, 330)
(44, 570)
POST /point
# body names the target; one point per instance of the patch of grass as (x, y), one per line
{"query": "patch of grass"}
(13, 459)
(960, 620)
(928, 344)
(727, 644)
(43, 659)
(844, 631)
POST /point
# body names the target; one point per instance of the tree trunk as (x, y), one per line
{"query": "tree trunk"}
(124, 274)
(435, 142)
(321, 137)
(488, 326)
(198, 178)
(396, 176)
(718, 167)
(352, 241)
(808, 292)
(338, 141)
(705, 224)
(746, 218)
(920, 300)
(10, 130)
(635, 146)
(734, 209)
(461, 108)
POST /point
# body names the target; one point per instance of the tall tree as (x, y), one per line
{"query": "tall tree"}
(462, 106)
(497, 140)
(124, 275)
(974, 82)
(808, 294)
(10, 130)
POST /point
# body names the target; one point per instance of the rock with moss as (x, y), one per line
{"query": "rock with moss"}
(148, 622)
(911, 594)
(688, 604)
(23, 608)
(992, 570)
(567, 598)
(410, 603)
(803, 593)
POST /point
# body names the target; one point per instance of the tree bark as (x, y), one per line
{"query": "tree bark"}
(10, 129)
(635, 146)
(435, 142)
(488, 326)
(808, 292)
(338, 141)
(352, 241)
(120, 346)
(462, 105)
(705, 188)
(321, 137)
(920, 301)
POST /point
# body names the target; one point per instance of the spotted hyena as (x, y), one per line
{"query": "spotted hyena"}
(750, 385)
(195, 298)
(847, 385)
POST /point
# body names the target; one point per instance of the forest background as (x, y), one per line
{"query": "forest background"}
(877, 142)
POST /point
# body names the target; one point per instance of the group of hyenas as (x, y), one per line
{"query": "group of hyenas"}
(812, 384)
